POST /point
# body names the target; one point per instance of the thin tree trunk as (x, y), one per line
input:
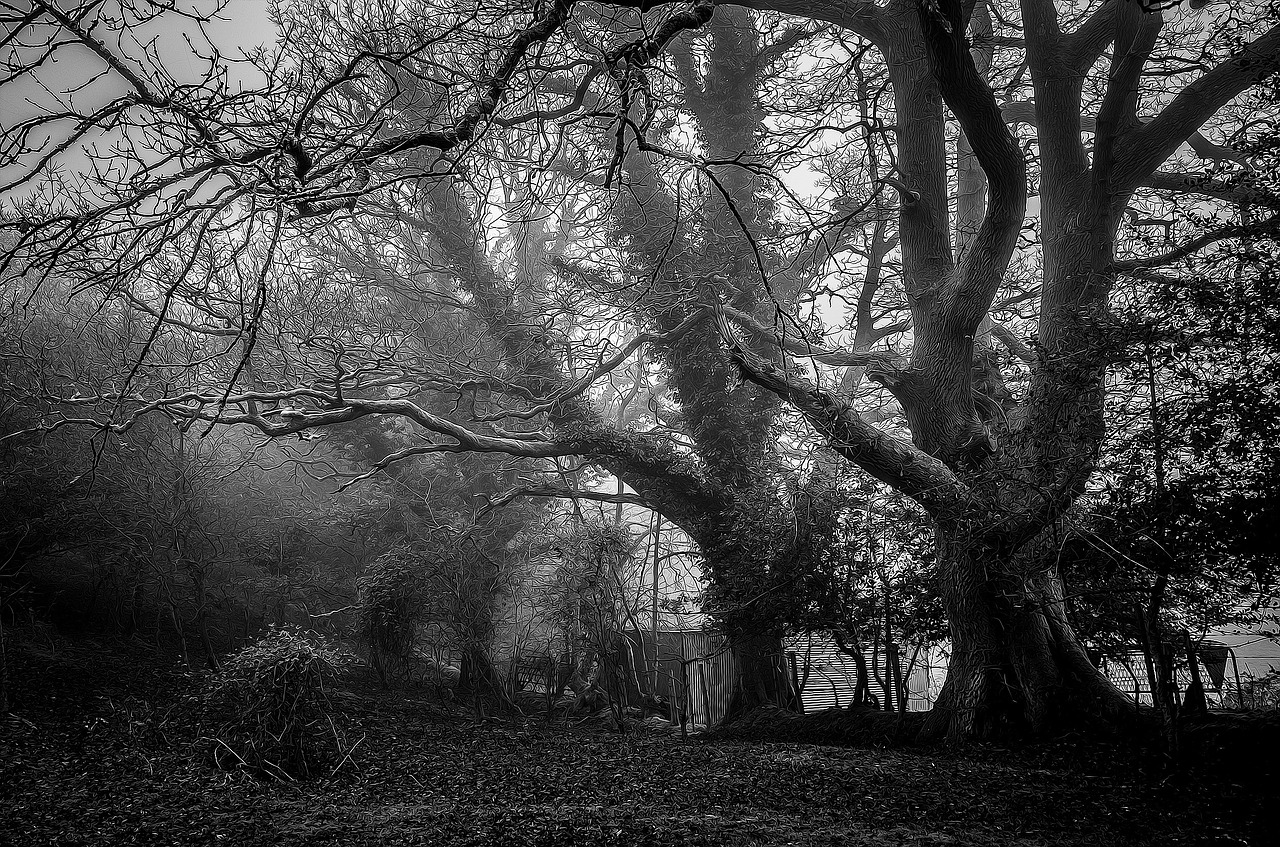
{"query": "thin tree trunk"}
(4, 666)
(876, 673)
(862, 695)
(479, 679)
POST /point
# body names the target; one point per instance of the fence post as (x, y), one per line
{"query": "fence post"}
(795, 681)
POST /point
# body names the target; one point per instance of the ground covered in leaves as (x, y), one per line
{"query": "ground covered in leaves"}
(92, 753)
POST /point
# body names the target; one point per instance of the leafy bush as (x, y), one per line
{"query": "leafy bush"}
(268, 711)
(1259, 693)
(390, 608)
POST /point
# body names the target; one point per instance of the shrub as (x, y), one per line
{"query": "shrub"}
(267, 710)
(390, 609)
(1259, 693)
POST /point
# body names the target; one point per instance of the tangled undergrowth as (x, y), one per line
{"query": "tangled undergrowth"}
(267, 710)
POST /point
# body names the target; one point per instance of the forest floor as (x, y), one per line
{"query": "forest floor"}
(88, 757)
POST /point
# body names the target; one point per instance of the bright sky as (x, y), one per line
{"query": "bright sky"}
(75, 77)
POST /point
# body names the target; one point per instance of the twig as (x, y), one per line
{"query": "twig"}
(23, 720)
(347, 757)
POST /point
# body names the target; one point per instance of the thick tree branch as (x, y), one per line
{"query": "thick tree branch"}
(881, 366)
(1024, 112)
(562, 493)
(296, 420)
(582, 383)
(1136, 35)
(1269, 226)
(1159, 137)
(1234, 192)
(862, 17)
(670, 481)
(464, 129)
(1013, 343)
(648, 464)
(889, 459)
(1082, 48)
(971, 100)
(1057, 84)
(923, 212)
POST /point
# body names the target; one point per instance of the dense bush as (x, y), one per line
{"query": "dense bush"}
(1259, 693)
(267, 710)
(390, 608)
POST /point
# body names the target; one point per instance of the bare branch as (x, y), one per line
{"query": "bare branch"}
(1024, 112)
(889, 459)
(560, 492)
(1192, 246)
(578, 386)
(1159, 137)
(1013, 343)
(881, 366)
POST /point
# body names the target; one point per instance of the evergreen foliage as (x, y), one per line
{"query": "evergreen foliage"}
(390, 608)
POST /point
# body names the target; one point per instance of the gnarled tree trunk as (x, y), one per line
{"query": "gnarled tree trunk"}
(479, 680)
(1016, 665)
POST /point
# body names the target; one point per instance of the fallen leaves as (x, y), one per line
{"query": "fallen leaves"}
(102, 764)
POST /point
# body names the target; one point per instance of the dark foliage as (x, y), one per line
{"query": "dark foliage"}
(390, 607)
(267, 709)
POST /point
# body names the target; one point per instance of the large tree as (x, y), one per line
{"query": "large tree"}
(995, 447)
(997, 486)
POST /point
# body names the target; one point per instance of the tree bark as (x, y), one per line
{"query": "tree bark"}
(4, 664)
(762, 674)
(1017, 668)
(479, 679)
(862, 695)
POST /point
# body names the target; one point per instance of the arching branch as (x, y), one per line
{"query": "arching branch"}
(562, 493)
(889, 459)
(1159, 137)
(1269, 226)
(881, 366)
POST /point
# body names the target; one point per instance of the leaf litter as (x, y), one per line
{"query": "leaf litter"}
(95, 752)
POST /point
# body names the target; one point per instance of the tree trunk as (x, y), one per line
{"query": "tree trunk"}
(762, 675)
(4, 665)
(566, 669)
(479, 679)
(1017, 668)
(875, 671)
(862, 695)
